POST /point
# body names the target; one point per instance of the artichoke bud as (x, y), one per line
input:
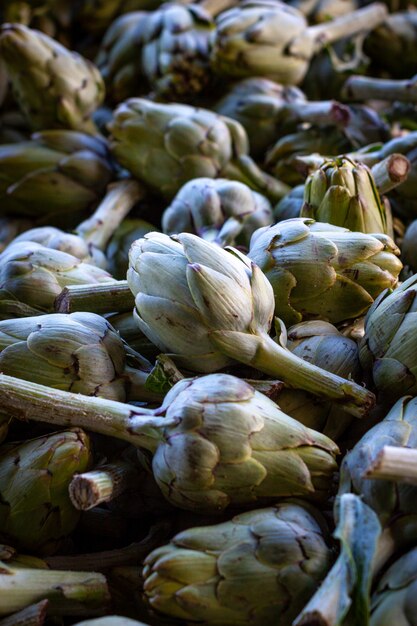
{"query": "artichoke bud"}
(203, 573)
(36, 513)
(55, 88)
(219, 210)
(388, 348)
(323, 271)
(79, 352)
(343, 193)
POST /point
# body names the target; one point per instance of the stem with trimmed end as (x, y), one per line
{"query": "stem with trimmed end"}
(394, 463)
(112, 297)
(101, 485)
(368, 88)
(390, 172)
(33, 615)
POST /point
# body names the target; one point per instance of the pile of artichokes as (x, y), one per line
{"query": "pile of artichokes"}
(208, 313)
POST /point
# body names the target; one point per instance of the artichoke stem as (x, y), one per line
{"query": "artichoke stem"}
(69, 593)
(390, 172)
(96, 298)
(137, 389)
(348, 25)
(263, 353)
(367, 88)
(132, 554)
(33, 615)
(120, 198)
(30, 401)
(245, 170)
(394, 463)
(321, 112)
(90, 489)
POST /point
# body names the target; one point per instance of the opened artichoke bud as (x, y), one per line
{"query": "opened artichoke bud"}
(208, 307)
(343, 193)
(36, 512)
(55, 87)
(166, 145)
(260, 567)
(224, 211)
(323, 271)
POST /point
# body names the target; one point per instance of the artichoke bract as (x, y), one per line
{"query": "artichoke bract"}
(272, 39)
(389, 348)
(323, 271)
(260, 567)
(36, 512)
(344, 193)
(394, 601)
(55, 88)
(224, 211)
(56, 173)
(79, 352)
(209, 307)
(166, 145)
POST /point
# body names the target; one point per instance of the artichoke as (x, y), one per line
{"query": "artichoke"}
(55, 88)
(35, 275)
(344, 193)
(389, 347)
(216, 442)
(270, 38)
(290, 205)
(258, 568)
(35, 509)
(208, 307)
(79, 352)
(117, 251)
(55, 174)
(322, 271)
(224, 211)
(392, 45)
(166, 145)
(395, 599)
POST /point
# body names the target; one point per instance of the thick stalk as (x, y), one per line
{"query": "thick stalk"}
(120, 198)
(261, 352)
(96, 298)
(321, 35)
(368, 88)
(137, 389)
(33, 615)
(132, 554)
(394, 463)
(68, 593)
(101, 485)
(390, 172)
(321, 112)
(245, 170)
(29, 401)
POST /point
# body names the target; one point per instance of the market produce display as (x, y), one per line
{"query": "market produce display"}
(208, 328)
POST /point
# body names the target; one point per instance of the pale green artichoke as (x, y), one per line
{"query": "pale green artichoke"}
(35, 509)
(344, 193)
(208, 307)
(166, 145)
(321, 271)
(224, 211)
(258, 568)
(55, 88)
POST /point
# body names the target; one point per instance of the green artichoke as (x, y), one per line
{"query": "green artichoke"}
(389, 347)
(290, 205)
(10, 228)
(409, 246)
(269, 110)
(395, 599)
(343, 193)
(224, 211)
(322, 271)
(209, 307)
(79, 352)
(166, 145)
(35, 275)
(55, 88)
(35, 509)
(258, 568)
(56, 174)
(392, 45)
(272, 39)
